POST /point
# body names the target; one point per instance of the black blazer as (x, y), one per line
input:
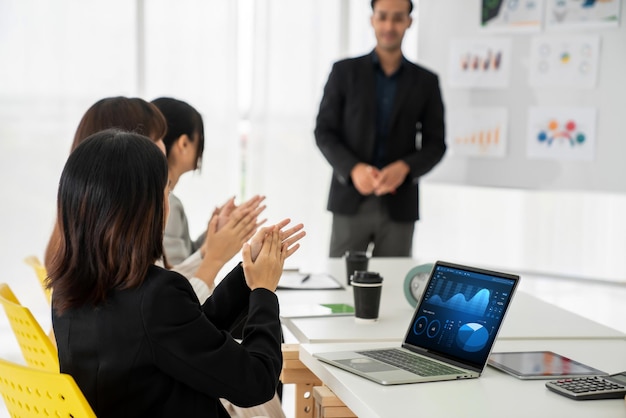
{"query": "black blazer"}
(154, 351)
(346, 129)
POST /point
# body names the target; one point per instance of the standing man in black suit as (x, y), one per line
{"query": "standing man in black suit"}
(381, 127)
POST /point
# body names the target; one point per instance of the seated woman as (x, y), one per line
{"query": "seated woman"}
(134, 335)
(225, 235)
(184, 147)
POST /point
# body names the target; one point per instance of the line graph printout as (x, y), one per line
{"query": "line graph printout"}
(478, 131)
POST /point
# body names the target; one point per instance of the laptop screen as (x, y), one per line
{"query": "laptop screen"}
(461, 312)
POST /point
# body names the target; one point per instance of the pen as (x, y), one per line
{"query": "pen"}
(305, 278)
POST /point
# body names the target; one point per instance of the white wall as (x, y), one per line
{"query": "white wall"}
(573, 234)
(547, 216)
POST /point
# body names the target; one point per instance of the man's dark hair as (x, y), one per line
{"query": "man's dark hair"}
(410, 5)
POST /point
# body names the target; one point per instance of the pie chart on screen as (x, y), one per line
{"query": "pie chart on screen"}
(472, 337)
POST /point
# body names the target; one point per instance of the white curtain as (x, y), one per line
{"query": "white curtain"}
(263, 62)
(57, 59)
(267, 71)
(191, 55)
(295, 43)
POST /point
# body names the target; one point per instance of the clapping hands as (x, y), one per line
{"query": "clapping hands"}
(230, 226)
(264, 256)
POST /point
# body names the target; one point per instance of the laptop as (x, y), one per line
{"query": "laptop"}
(450, 335)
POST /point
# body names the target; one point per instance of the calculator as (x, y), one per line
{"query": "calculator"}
(591, 387)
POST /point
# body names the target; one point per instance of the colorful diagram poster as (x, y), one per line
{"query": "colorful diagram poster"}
(480, 63)
(512, 15)
(566, 134)
(564, 62)
(478, 131)
(572, 14)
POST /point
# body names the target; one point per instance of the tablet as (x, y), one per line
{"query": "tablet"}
(540, 365)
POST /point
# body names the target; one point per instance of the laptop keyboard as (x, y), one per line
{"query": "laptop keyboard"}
(411, 362)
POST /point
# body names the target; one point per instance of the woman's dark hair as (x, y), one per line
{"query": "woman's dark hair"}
(128, 114)
(182, 119)
(110, 208)
(410, 5)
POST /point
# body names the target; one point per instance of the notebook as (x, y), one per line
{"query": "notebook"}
(450, 335)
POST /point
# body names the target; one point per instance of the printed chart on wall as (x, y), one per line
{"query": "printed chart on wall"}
(512, 15)
(478, 132)
(564, 61)
(539, 109)
(480, 63)
(580, 14)
(561, 133)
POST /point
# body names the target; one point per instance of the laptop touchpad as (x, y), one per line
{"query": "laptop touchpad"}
(366, 365)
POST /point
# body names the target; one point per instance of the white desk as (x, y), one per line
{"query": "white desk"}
(528, 316)
(494, 394)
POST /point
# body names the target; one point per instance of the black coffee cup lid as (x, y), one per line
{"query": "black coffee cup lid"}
(366, 277)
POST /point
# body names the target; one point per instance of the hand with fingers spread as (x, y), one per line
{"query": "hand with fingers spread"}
(222, 243)
(224, 211)
(289, 237)
(229, 209)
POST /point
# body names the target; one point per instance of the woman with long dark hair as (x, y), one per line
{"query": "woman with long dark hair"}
(134, 335)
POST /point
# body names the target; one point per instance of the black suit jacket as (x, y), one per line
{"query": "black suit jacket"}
(154, 351)
(346, 129)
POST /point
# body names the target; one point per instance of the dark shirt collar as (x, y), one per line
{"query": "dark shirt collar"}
(376, 63)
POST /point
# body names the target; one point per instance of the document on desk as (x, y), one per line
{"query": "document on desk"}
(295, 280)
(316, 310)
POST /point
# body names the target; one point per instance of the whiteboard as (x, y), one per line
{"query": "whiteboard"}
(444, 21)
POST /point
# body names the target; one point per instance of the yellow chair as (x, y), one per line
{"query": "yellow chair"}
(40, 271)
(30, 392)
(36, 346)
